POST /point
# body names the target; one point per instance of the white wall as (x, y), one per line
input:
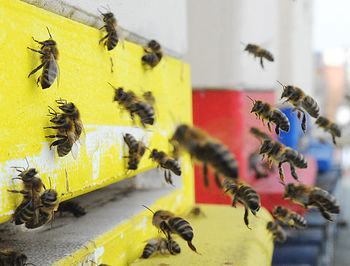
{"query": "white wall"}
(216, 30)
(163, 20)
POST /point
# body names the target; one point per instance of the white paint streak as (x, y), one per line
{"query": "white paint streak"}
(143, 224)
(98, 253)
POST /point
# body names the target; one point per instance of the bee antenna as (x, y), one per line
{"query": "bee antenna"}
(281, 84)
(111, 85)
(93, 262)
(148, 208)
(49, 32)
(29, 263)
(251, 99)
(99, 11)
(27, 162)
(243, 43)
(281, 182)
(50, 182)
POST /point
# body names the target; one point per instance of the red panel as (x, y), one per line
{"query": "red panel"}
(225, 114)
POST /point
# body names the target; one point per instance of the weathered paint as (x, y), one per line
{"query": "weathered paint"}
(85, 70)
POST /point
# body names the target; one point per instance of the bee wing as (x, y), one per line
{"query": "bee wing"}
(75, 150)
(53, 68)
(121, 36)
(79, 141)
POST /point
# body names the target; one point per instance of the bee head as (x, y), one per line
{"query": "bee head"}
(161, 216)
(108, 16)
(249, 47)
(277, 211)
(258, 105)
(154, 153)
(289, 191)
(321, 121)
(49, 43)
(287, 91)
(266, 146)
(154, 45)
(119, 94)
(179, 133)
(48, 196)
(68, 108)
(28, 175)
(270, 225)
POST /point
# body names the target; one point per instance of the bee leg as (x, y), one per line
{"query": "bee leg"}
(261, 62)
(217, 180)
(103, 38)
(234, 202)
(333, 138)
(40, 52)
(277, 129)
(323, 212)
(303, 123)
(55, 127)
(205, 175)
(246, 217)
(36, 69)
(280, 171)
(19, 191)
(292, 170)
(37, 41)
(269, 126)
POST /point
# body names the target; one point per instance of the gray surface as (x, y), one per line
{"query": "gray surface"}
(106, 208)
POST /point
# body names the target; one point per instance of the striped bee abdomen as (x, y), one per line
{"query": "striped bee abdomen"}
(280, 120)
(24, 212)
(112, 40)
(299, 221)
(173, 247)
(250, 198)
(49, 74)
(145, 112)
(335, 130)
(151, 59)
(295, 157)
(173, 166)
(311, 106)
(324, 199)
(149, 250)
(183, 229)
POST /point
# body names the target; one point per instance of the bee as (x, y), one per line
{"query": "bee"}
(136, 150)
(300, 100)
(10, 257)
(197, 212)
(329, 126)
(160, 245)
(153, 54)
(166, 163)
(32, 190)
(312, 198)
(49, 56)
(133, 104)
(49, 204)
(290, 218)
(244, 194)
(259, 134)
(257, 51)
(171, 224)
(279, 154)
(69, 127)
(72, 207)
(278, 233)
(271, 114)
(206, 150)
(112, 38)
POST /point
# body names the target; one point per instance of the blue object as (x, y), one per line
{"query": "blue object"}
(322, 152)
(291, 138)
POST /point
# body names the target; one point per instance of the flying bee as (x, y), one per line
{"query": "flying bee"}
(288, 217)
(271, 114)
(49, 204)
(136, 151)
(72, 207)
(244, 194)
(69, 127)
(49, 56)
(257, 51)
(10, 257)
(278, 153)
(300, 100)
(278, 233)
(112, 38)
(259, 134)
(206, 150)
(167, 163)
(196, 212)
(32, 190)
(153, 54)
(169, 224)
(133, 104)
(312, 198)
(329, 126)
(160, 245)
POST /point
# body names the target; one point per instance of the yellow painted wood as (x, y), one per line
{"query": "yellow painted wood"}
(84, 73)
(220, 236)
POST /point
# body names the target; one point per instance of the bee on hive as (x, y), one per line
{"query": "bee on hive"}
(206, 150)
(328, 125)
(167, 163)
(112, 38)
(277, 231)
(270, 114)
(310, 197)
(72, 207)
(244, 194)
(10, 257)
(49, 56)
(153, 54)
(288, 217)
(136, 150)
(130, 102)
(69, 127)
(278, 153)
(300, 100)
(160, 245)
(257, 51)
